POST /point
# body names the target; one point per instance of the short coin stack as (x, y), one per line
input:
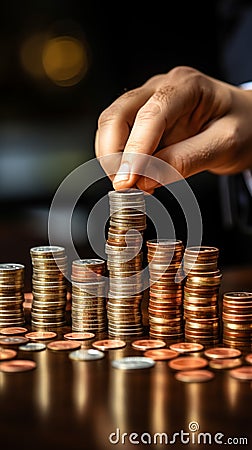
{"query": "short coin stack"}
(166, 292)
(49, 286)
(11, 294)
(88, 295)
(201, 295)
(237, 319)
(124, 254)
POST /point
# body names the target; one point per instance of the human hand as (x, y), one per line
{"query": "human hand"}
(186, 118)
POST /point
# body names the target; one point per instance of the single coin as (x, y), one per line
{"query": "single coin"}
(109, 344)
(33, 347)
(63, 345)
(225, 363)
(13, 330)
(161, 354)
(186, 347)
(248, 358)
(222, 352)
(147, 344)
(194, 376)
(79, 336)
(133, 362)
(86, 354)
(17, 365)
(7, 353)
(187, 362)
(242, 373)
(41, 335)
(13, 340)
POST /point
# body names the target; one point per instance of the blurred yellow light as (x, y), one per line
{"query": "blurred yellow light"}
(65, 60)
(31, 55)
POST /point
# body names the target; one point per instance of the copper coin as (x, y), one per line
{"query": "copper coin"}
(194, 376)
(109, 344)
(222, 352)
(188, 362)
(248, 358)
(63, 345)
(225, 363)
(17, 365)
(13, 330)
(161, 354)
(13, 340)
(7, 353)
(242, 373)
(186, 347)
(41, 335)
(147, 344)
(79, 336)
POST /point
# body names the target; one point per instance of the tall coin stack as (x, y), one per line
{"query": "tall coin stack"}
(165, 306)
(11, 294)
(124, 262)
(201, 295)
(237, 319)
(88, 295)
(49, 286)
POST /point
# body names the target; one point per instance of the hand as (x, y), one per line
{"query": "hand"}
(190, 120)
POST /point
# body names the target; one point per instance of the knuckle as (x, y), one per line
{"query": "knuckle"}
(149, 110)
(108, 115)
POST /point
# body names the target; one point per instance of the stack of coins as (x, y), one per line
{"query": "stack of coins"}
(88, 295)
(237, 319)
(11, 294)
(201, 295)
(49, 286)
(165, 306)
(124, 261)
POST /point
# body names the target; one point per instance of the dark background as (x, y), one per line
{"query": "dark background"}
(47, 128)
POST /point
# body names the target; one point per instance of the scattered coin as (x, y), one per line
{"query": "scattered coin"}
(86, 355)
(248, 358)
(63, 345)
(41, 335)
(33, 347)
(147, 344)
(109, 344)
(242, 373)
(225, 363)
(187, 362)
(161, 354)
(7, 353)
(186, 347)
(13, 340)
(133, 362)
(13, 330)
(79, 336)
(194, 376)
(17, 365)
(222, 352)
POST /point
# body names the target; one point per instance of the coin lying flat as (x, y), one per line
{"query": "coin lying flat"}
(33, 347)
(109, 344)
(86, 355)
(79, 336)
(248, 358)
(133, 362)
(222, 352)
(7, 353)
(225, 363)
(147, 344)
(17, 365)
(187, 362)
(194, 376)
(13, 330)
(161, 354)
(63, 345)
(186, 347)
(13, 340)
(41, 335)
(242, 373)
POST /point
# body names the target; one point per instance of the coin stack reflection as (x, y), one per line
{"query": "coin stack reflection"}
(124, 260)
(201, 295)
(88, 295)
(49, 286)
(11, 294)
(237, 319)
(165, 306)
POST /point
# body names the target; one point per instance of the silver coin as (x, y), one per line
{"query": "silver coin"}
(133, 362)
(86, 355)
(33, 347)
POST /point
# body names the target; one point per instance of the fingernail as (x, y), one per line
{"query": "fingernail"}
(123, 173)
